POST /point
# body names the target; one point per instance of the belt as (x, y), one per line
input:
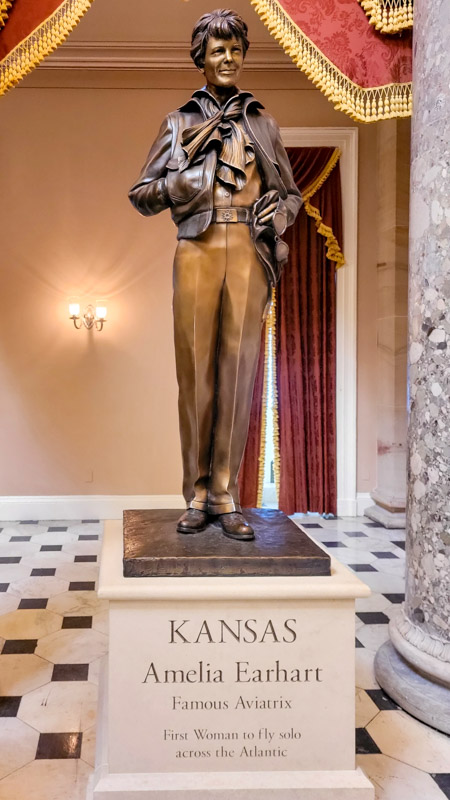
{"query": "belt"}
(232, 214)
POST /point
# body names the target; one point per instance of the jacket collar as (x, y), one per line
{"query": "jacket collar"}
(195, 101)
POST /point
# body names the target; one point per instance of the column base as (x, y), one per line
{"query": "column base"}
(389, 519)
(419, 696)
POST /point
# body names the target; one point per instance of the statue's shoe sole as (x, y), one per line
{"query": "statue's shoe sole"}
(183, 529)
(243, 537)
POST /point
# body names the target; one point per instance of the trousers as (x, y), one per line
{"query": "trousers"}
(220, 294)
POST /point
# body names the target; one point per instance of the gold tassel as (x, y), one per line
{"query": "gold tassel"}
(276, 426)
(334, 252)
(389, 16)
(359, 103)
(42, 41)
(263, 432)
(5, 5)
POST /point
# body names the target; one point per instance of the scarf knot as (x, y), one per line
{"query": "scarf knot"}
(221, 131)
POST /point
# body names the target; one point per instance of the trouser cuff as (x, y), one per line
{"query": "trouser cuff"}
(224, 508)
(199, 504)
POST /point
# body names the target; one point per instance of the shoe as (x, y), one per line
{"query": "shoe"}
(192, 521)
(235, 526)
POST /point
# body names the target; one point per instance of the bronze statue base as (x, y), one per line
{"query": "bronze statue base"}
(154, 548)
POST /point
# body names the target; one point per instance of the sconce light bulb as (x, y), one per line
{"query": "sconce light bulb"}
(100, 312)
(74, 309)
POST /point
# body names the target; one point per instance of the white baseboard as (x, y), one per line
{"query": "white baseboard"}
(104, 506)
(68, 507)
(346, 507)
(354, 507)
(363, 501)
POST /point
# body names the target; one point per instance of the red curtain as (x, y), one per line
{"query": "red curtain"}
(306, 346)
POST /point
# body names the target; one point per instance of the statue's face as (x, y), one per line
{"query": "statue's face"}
(223, 62)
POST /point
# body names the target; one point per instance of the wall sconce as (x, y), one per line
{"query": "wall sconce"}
(91, 316)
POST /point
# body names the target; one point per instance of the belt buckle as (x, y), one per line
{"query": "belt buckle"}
(226, 214)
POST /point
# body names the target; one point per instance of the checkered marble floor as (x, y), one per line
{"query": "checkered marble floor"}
(53, 634)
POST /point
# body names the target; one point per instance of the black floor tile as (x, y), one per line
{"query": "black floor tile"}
(443, 781)
(365, 745)
(362, 568)
(358, 643)
(355, 534)
(33, 602)
(20, 538)
(388, 554)
(373, 617)
(59, 745)
(24, 646)
(29, 522)
(82, 586)
(77, 622)
(401, 545)
(394, 597)
(4, 587)
(9, 706)
(88, 537)
(70, 672)
(10, 559)
(311, 525)
(55, 528)
(335, 544)
(40, 572)
(50, 548)
(90, 520)
(381, 700)
(82, 559)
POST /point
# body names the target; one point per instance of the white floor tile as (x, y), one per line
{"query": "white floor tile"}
(402, 737)
(396, 781)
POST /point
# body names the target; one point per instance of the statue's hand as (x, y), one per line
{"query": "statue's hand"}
(265, 216)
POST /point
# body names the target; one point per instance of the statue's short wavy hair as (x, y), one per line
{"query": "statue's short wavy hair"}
(220, 24)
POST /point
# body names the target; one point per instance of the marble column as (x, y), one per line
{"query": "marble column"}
(393, 159)
(414, 667)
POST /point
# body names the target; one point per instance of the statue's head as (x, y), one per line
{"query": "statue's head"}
(219, 24)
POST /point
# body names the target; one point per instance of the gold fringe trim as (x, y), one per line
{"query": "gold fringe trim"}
(321, 178)
(5, 5)
(334, 252)
(42, 41)
(262, 446)
(389, 16)
(363, 105)
(273, 357)
(269, 361)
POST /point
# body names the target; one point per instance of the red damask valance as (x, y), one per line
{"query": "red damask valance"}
(30, 30)
(365, 73)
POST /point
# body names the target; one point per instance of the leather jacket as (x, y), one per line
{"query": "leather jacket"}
(189, 193)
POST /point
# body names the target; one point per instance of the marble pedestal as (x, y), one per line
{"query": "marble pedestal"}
(227, 688)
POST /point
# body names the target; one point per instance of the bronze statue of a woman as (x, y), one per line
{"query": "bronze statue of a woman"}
(219, 164)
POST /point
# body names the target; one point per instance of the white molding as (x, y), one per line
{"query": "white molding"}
(154, 56)
(347, 141)
(82, 506)
(363, 502)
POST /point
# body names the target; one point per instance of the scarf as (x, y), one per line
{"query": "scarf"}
(220, 130)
